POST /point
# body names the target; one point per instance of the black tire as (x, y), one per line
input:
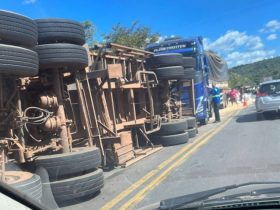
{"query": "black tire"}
(68, 56)
(191, 122)
(189, 62)
(170, 140)
(192, 132)
(26, 183)
(17, 30)
(172, 72)
(69, 190)
(164, 60)
(70, 164)
(60, 31)
(173, 127)
(47, 197)
(18, 61)
(189, 73)
(260, 116)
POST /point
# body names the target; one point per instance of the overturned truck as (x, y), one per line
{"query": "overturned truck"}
(67, 111)
(36, 130)
(115, 96)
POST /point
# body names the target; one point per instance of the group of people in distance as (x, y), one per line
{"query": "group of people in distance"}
(233, 95)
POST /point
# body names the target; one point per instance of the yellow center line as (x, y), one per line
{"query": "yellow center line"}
(141, 194)
(141, 181)
(149, 175)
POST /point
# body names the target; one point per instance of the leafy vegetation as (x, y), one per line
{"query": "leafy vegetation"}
(252, 74)
(237, 80)
(133, 36)
(140, 36)
(89, 31)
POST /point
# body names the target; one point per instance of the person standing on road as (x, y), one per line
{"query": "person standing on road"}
(216, 100)
(241, 92)
(233, 96)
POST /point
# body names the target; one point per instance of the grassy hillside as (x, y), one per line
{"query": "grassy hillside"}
(254, 72)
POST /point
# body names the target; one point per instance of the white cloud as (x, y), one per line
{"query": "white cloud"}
(29, 1)
(162, 38)
(234, 39)
(271, 26)
(271, 37)
(239, 48)
(206, 43)
(238, 58)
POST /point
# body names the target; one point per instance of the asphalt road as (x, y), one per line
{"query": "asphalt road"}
(243, 150)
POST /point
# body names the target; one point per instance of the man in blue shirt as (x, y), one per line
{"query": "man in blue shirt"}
(215, 92)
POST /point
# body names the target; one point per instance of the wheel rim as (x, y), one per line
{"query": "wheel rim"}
(13, 177)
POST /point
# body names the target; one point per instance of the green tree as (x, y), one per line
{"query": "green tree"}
(257, 71)
(133, 36)
(89, 31)
(236, 80)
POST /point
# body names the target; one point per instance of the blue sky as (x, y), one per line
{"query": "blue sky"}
(242, 31)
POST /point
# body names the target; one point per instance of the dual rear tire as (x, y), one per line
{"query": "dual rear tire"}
(172, 66)
(17, 34)
(17, 30)
(68, 57)
(73, 176)
(18, 61)
(60, 43)
(26, 183)
(178, 131)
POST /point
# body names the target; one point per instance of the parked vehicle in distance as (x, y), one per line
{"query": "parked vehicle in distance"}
(268, 97)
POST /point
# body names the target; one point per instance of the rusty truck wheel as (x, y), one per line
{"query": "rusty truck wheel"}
(25, 182)
(17, 30)
(60, 31)
(76, 188)
(75, 163)
(67, 57)
(18, 61)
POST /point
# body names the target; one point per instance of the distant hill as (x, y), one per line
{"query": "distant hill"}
(258, 70)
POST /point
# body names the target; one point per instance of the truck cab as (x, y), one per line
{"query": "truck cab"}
(192, 47)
